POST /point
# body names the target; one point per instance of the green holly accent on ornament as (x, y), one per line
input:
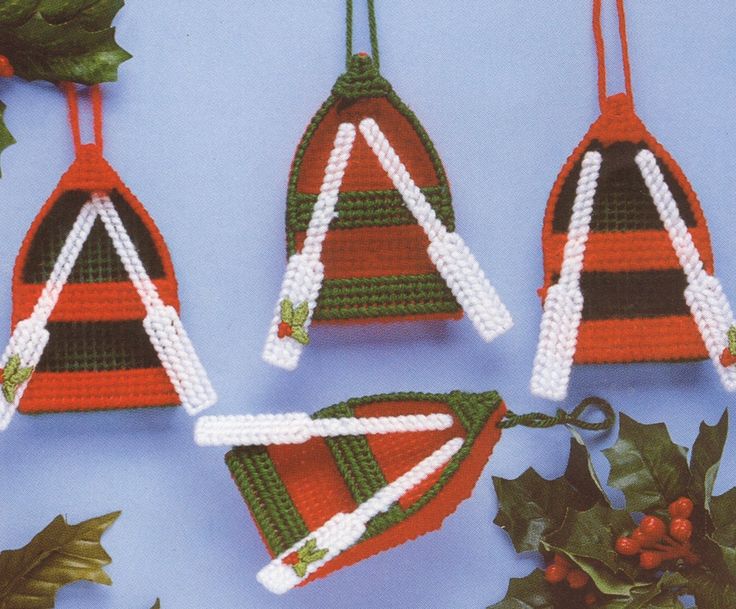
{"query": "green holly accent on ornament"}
(13, 376)
(58, 40)
(59, 555)
(598, 556)
(293, 320)
(732, 340)
(309, 553)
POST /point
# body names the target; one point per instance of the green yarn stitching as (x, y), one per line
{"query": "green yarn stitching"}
(13, 376)
(309, 553)
(293, 320)
(732, 340)
(362, 79)
(269, 501)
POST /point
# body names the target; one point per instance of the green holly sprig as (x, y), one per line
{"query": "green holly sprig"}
(293, 320)
(13, 376)
(58, 40)
(573, 524)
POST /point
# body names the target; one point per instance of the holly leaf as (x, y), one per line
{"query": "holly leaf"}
(530, 592)
(592, 534)
(647, 466)
(581, 474)
(301, 313)
(59, 40)
(710, 591)
(287, 311)
(12, 366)
(531, 506)
(59, 555)
(300, 335)
(6, 138)
(723, 515)
(706, 459)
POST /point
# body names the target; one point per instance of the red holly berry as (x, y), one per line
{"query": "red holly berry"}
(577, 579)
(727, 358)
(285, 329)
(590, 599)
(652, 528)
(6, 70)
(682, 507)
(292, 559)
(554, 574)
(639, 537)
(563, 562)
(681, 529)
(626, 546)
(650, 560)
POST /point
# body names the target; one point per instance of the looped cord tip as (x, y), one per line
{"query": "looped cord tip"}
(541, 421)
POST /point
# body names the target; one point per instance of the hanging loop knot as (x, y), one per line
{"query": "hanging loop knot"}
(540, 420)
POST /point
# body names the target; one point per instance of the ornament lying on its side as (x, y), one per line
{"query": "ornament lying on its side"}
(95, 306)
(362, 476)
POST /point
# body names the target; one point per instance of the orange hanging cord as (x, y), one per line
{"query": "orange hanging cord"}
(72, 97)
(601, 51)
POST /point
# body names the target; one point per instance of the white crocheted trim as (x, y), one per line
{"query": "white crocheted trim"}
(162, 322)
(299, 427)
(447, 250)
(704, 294)
(563, 305)
(454, 261)
(344, 530)
(305, 271)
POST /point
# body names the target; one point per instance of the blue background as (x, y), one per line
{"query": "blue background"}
(203, 124)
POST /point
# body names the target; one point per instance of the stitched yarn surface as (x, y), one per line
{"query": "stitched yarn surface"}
(292, 490)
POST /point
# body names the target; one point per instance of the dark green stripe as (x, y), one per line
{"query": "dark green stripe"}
(372, 208)
(393, 296)
(267, 497)
(358, 467)
(97, 346)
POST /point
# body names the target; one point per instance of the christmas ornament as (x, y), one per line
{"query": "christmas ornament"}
(370, 226)
(63, 40)
(675, 538)
(628, 267)
(365, 475)
(95, 306)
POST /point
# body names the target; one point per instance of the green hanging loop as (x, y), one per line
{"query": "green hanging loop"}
(349, 32)
(541, 420)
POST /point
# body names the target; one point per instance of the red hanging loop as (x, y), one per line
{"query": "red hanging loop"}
(601, 52)
(72, 97)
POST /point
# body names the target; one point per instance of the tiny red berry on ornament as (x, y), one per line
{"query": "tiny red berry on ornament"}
(652, 528)
(682, 508)
(650, 560)
(727, 358)
(590, 599)
(681, 529)
(626, 546)
(554, 574)
(284, 329)
(2, 376)
(6, 70)
(577, 579)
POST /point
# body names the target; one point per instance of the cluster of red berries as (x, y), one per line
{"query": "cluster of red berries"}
(655, 545)
(561, 569)
(6, 70)
(285, 330)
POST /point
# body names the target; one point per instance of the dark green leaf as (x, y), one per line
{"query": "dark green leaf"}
(592, 534)
(723, 515)
(710, 591)
(60, 40)
(706, 458)
(59, 555)
(647, 466)
(662, 593)
(530, 592)
(581, 474)
(608, 582)
(531, 506)
(6, 138)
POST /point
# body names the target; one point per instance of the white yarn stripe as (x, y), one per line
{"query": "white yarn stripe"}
(30, 335)
(299, 427)
(563, 306)
(704, 293)
(162, 323)
(343, 530)
(305, 271)
(447, 250)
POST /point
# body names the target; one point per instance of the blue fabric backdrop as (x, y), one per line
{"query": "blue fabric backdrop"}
(203, 124)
